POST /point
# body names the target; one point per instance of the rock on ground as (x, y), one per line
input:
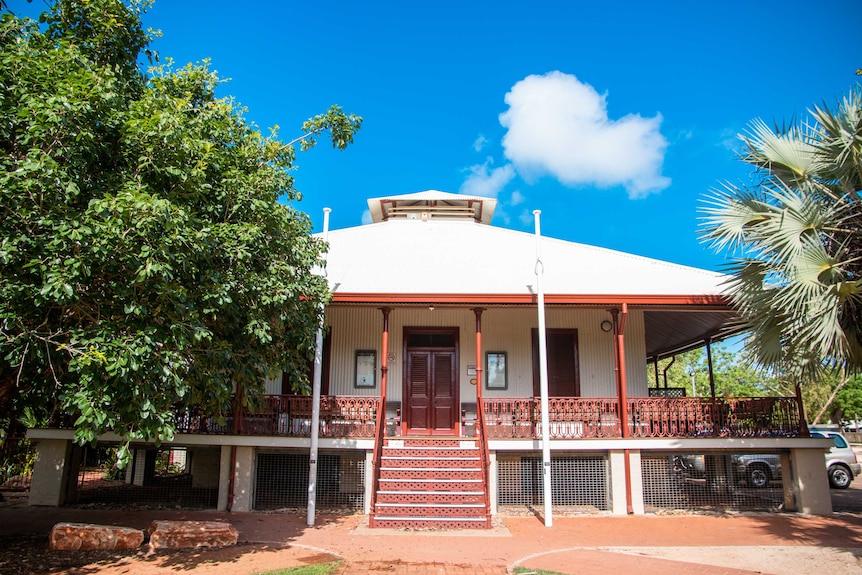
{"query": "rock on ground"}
(191, 534)
(87, 536)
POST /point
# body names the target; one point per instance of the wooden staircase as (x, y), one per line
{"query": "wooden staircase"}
(431, 483)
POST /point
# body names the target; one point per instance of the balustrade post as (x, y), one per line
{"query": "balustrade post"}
(620, 356)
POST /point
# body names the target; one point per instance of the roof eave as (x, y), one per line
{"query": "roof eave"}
(719, 301)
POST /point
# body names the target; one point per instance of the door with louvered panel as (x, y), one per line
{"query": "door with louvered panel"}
(563, 370)
(431, 391)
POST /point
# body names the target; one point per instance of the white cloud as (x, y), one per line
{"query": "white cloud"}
(517, 198)
(480, 143)
(366, 217)
(527, 217)
(485, 181)
(558, 125)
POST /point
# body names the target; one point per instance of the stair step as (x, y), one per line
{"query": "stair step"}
(414, 473)
(453, 445)
(433, 505)
(430, 453)
(450, 485)
(395, 510)
(436, 497)
(430, 483)
(431, 462)
(430, 522)
(392, 492)
(430, 443)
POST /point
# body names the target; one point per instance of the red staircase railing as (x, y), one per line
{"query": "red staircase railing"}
(482, 434)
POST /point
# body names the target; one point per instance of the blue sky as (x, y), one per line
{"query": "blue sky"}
(614, 118)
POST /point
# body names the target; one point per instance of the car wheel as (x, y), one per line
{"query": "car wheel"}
(840, 477)
(758, 476)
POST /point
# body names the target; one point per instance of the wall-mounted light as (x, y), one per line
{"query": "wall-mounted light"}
(607, 326)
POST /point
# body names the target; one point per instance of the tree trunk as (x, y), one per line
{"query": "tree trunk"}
(844, 380)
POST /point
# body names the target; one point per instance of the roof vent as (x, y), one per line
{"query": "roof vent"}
(430, 205)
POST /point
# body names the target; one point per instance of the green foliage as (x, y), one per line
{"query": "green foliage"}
(794, 242)
(733, 374)
(19, 459)
(849, 400)
(147, 263)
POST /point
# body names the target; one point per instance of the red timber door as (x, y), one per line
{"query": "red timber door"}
(430, 381)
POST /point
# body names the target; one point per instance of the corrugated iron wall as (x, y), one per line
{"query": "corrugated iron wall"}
(503, 329)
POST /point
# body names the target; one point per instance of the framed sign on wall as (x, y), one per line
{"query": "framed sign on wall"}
(366, 368)
(496, 370)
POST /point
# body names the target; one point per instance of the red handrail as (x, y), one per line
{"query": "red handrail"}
(375, 458)
(381, 416)
(483, 447)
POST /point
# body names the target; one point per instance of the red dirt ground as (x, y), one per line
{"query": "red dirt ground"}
(574, 545)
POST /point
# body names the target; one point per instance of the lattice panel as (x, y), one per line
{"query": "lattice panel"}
(281, 480)
(575, 481)
(171, 477)
(703, 482)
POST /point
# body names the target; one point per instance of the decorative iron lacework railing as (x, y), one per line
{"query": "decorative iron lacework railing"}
(569, 417)
(719, 417)
(290, 415)
(648, 417)
(520, 417)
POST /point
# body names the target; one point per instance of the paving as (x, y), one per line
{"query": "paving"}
(737, 544)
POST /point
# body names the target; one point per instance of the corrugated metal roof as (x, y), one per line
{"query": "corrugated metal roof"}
(464, 257)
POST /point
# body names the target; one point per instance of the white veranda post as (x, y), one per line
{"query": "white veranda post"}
(543, 377)
(315, 400)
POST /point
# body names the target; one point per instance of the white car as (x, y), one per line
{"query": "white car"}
(841, 462)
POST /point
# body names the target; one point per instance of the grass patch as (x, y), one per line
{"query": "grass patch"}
(316, 569)
(525, 571)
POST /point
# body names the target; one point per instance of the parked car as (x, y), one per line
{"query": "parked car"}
(757, 469)
(841, 463)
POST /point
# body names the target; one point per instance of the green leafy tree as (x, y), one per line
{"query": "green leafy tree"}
(795, 244)
(848, 402)
(148, 264)
(833, 398)
(733, 374)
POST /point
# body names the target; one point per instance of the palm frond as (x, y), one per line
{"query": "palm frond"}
(788, 156)
(795, 240)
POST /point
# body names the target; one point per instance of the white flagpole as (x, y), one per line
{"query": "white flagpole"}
(315, 401)
(543, 377)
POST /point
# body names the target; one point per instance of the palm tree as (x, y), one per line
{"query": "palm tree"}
(794, 242)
